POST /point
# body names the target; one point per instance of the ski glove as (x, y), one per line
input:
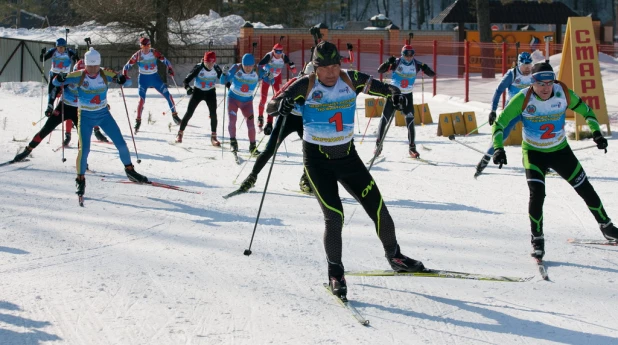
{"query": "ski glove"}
(170, 71)
(121, 79)
(285, 106)
(500, 157)
(392, 60)
(267, 78)
(269, 128)
(599, 140)
(399, 101)
(492, 118)
(260, 121)
(61, 78)
(189, 90)
(349, 46)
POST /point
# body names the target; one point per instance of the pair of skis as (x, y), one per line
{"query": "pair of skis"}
(12, 161)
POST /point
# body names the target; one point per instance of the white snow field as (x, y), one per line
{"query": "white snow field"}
(147, 265)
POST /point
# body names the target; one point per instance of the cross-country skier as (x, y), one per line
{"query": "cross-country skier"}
(206, 74)
(328, 101)
(146, 60)
(514, 80)
(542, 107)
(292, 124)
(61, 60)
(405, 70)
(273, 62)
(92, 86)
(243, 80)
(79, 65)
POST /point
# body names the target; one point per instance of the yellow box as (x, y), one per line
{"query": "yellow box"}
(374, 106)
(470, 121)
(458, 123)
(445, 125)
(400, 120)
(422, 113)
(515, 137)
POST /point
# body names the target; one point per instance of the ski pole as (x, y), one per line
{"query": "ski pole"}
(452, 138)
(224, 115)
(476, 129)
(41, 119)
(368, 123)
(379, 148)
(42, 83)
(247, 160)
(130, 128)
(423, 99)
(247, 252)
(62, 119)
(586, 147)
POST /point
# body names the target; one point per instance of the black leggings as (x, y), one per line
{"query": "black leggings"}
(387, 113)
(343, 165)
(293, 123)
(568, 167)
(70, 113)
(210, 97)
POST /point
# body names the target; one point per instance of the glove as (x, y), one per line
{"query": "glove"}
(399, 101)
(349, 46)
(269, 128)
(228, 84)
(285, 106)
(500, 157)
(492, 118)
(599, 140)
(260, 121)
(61, 78)
(170, 71)
(189, 90)
(429, 73)
(121, 79)
(41, 57)
(392, 60)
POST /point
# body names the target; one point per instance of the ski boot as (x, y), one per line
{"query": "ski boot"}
(402, 263)
(538, 247)
(248, 183)
(179, 137)
(176, 119)
(253, 149)
(138, 123)
(233, 145)
(336, 280)
(133, 175)
(67, 139)
(213, 139)
(80, 185)
(412, 151)
(268, 128)
(22, 155)
(482, 165)
(305, 185)
(609, 231)
(100, 136)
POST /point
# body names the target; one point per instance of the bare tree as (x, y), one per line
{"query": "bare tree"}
(487, 50)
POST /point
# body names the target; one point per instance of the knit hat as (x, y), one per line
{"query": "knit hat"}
(61, 42)
(278, 46)
(144, 41)
(248, 60)
(542, 71)
(326, 54)
(210, 57)
(92, 58)
(406, 49)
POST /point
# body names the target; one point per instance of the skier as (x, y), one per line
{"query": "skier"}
(292, 124)
(404, 70)
(62, 58)
(92, 86)
(273, 62)
(542, 107)
(328, 101)
(242, 80)
(514, 80)
(79, 65)
(146, 59)
(205, 74)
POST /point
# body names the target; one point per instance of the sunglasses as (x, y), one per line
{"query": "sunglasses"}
(278, 51)
(408, 53)
(526, 63)
(547, 83)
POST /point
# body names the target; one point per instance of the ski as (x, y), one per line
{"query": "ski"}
(60, 147)
(596, 242)
(348, 305)
(234, 193)
(102, 142)
(424, 161)
(299, 191)
(438, 274)
(542, 269)
(13, 162)
(427, 148)
(20, 140)
(236, 158)
(155, 184)
(173, 143)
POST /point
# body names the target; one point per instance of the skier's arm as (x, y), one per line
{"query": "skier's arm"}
(362, 82)
(504, 84)
(388, 65)
(512, 110)
(73, 55)
(296, 91)
(423, 67)
(194, 72)
(580, 107)
(265, 60)
(291, 64)
(132, 61)
(162, 58)
(49, 54)
(218, 70)
(71, 78)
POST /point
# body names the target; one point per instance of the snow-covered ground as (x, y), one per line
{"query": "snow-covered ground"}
(146, 265)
